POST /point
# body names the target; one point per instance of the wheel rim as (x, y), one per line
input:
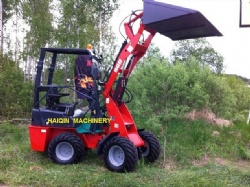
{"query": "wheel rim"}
(64, 151)
(116, 155)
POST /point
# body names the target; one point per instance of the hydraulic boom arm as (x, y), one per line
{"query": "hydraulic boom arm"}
(133, 49)
(175, 22)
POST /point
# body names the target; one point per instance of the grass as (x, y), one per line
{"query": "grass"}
(193, 157)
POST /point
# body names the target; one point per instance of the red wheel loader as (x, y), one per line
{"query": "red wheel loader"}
(65, 132)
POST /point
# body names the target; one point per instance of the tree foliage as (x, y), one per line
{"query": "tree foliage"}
(241, 91)
(16, 96)
(171, 90)
(153, 53)
(37, 15)
(79, 22)
(9, 8)
(51, 23)
(66, 24)
(201, 49)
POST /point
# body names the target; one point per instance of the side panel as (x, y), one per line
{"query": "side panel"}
(42, 116)
(38, 137)
(41, 136)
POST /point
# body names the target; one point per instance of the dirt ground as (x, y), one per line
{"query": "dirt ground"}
(207, 116)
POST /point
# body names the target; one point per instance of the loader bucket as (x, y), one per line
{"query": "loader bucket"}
(176, 22)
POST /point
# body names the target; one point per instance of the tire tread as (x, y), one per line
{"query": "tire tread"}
(154, 145)
(71, 138)
(131, 155)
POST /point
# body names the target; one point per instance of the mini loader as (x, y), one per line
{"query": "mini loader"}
(65, 132)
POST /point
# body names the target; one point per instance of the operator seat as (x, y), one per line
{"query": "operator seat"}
(53, 97)
(86, 75)
(83, 76)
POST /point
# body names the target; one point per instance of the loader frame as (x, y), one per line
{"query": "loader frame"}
(122, 122)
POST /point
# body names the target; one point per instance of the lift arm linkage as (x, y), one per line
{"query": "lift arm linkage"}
(133, 48)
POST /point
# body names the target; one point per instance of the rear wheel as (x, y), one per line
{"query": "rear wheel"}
(120, 155)
(66, 148)
(151, 150)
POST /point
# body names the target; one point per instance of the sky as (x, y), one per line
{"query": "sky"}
(234, 45)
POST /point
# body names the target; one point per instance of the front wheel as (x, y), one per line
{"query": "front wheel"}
(151, 150)
(120, 155)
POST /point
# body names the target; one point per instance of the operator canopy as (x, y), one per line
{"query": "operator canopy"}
(176, 22)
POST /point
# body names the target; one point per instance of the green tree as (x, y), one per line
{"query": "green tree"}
(221, 98)
(37, 15)
(16, 96)
(169, 90)
(201, 49)
(9, 8)
(79, 24)
(1, 27)
(153, 53)
(241, 92)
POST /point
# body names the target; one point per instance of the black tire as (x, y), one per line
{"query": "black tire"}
(152, 150)
(120, 154)
(66, 148)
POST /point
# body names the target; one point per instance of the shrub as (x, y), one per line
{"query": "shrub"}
(16, 95)
(170, 91)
